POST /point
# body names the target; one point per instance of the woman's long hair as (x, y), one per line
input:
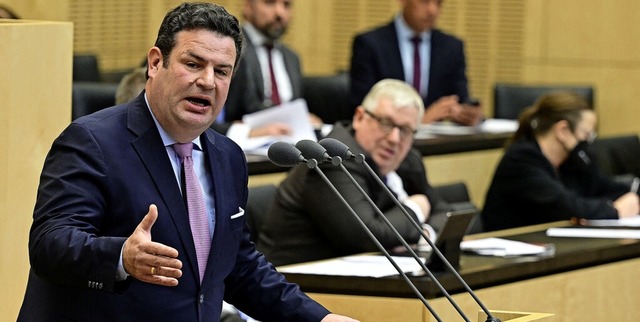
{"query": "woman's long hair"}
(548, 110)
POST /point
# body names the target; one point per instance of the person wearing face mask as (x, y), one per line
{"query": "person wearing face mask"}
(306, 222)
(546, 173)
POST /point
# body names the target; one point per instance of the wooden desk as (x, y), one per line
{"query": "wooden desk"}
(586, 280)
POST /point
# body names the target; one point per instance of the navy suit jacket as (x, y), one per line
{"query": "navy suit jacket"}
(99, 178)
(376, 56)
(246, 92)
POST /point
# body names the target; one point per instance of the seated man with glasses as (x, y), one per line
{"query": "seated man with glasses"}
(307, 221)
(546, 173)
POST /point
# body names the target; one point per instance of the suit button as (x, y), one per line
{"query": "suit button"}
(201, 298)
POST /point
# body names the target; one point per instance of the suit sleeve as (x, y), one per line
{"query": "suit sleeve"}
(363, 74)
(256, 288)
(528, 184)
(338, 224)
(64, 246)
(243, 97)
(461, 82)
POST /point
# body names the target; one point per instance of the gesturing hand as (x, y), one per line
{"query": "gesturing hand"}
(149, 261)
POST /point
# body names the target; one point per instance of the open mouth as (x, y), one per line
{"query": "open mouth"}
(198, 101)
(202, 102)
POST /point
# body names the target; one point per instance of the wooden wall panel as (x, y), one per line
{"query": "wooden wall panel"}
(588, 42)
(36, 106)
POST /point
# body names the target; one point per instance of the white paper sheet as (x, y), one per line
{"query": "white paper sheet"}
(622, 222)
(502, 247)
(594, 233)
(357, 265)
(295, 114)
(449, 128)
(498, 126)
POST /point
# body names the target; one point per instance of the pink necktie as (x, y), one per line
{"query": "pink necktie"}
(198, 217)
(416, 40)
(275, 96)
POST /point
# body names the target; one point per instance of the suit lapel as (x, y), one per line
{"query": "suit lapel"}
(252, 66)
(216, 171)
(435, 67)
(292, 70)
(149, 146)
(393, 56)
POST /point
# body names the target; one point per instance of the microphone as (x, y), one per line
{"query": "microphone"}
(337, 148)
(310, 149)
(340, 149)
(284, 154)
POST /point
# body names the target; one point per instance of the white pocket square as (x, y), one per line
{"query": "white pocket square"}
(239, 214)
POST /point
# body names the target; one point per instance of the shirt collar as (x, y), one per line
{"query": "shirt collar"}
(405, 33)
(256, 38)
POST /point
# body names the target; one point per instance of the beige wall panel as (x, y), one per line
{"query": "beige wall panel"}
(37, 106)
(263, 179)
(474, 168)
(615, 92)
(54, 10)
(594, 30)
(582, 295)
(535, 28)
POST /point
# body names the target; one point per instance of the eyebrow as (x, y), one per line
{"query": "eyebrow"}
(202, 59)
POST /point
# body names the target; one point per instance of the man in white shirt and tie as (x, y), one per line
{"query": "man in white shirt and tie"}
(269, 72)
(411, 49)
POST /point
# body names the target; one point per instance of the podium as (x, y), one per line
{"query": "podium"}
(510, 316)
(35, 88)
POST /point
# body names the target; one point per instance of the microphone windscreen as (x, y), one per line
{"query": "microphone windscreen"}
(336, 148)
(312, 150)
(284, 154)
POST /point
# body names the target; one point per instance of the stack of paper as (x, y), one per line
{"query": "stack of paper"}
(295, 114)
(357, 265)
(503, 247)
(594, 233)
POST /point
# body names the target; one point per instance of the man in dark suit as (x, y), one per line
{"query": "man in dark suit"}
(112, 237)
(253, 88)
(410, 49)
(306, 222)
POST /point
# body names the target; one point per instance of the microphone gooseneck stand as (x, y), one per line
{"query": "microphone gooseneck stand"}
(316, 149)
(337, 148)
(285, 155)
(309, 152)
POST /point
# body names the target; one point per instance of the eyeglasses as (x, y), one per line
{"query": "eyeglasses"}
(386, 125)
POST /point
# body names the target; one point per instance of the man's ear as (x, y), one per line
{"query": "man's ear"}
(358, 116)
(154, 60)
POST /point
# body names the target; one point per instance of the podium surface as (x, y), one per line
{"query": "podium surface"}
(598, 274)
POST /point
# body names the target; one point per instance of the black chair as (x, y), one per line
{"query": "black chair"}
(85, 68)
(618, 157)
(328, 97)
(456, 195)
(89, 97)
(511, 99)
(258, 202)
